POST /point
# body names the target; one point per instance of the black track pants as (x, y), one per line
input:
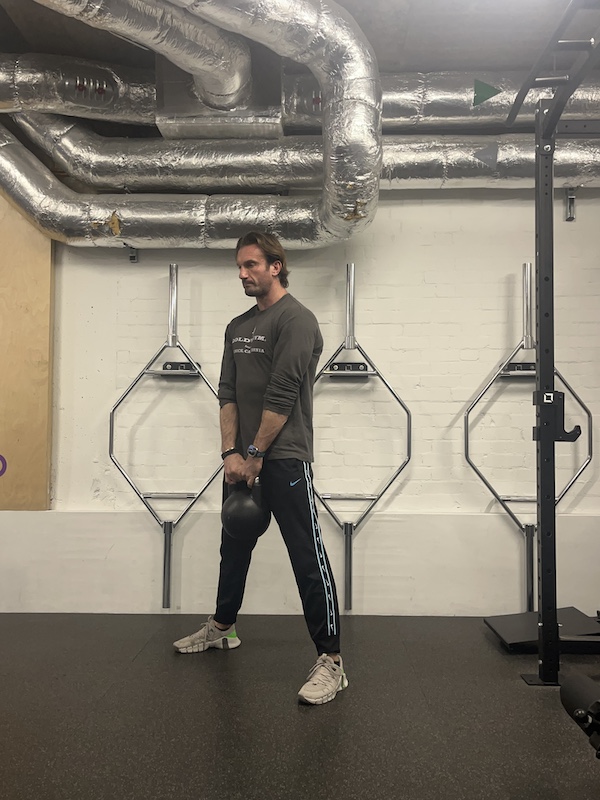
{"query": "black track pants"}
(288, 490)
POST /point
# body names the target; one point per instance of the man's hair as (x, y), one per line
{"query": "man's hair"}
(271, 248)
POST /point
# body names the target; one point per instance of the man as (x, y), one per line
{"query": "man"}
(266, 398)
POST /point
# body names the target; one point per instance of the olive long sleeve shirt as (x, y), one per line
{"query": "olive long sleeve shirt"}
(269, 362)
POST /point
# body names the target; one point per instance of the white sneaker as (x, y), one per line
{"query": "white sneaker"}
(208, 636)
(324, 681)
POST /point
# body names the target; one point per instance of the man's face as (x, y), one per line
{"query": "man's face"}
(256, 274)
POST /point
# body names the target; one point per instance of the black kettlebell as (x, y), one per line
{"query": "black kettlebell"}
(244, 515)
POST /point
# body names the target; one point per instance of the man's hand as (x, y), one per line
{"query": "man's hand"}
(234, 468)
(251, 471)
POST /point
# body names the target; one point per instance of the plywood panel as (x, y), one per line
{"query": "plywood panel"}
(25, 362)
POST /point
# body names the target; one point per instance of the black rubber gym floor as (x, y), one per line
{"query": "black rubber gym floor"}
(100, 706)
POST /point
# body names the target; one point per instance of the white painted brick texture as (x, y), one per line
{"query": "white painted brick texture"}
(438, 307)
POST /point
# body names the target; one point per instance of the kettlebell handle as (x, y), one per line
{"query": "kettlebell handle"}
(256, 490)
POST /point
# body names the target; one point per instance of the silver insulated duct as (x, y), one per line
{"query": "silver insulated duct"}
(76, 87)
(327, 40)
(347, 161)
(437, 101)
(334, 49)
(219, 63)
(409, 162)
(441, 101)
(88, 220)
(185, 165)
(158, 221)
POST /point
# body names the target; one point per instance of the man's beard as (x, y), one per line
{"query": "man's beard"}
(252, 290)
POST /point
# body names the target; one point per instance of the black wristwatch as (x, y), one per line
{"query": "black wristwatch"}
(254, 452)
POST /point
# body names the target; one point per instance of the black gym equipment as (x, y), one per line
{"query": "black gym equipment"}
(548, 402)
(580, 697)
(245, 515)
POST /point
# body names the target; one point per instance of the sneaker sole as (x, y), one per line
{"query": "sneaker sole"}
(225, 643)
(319, 701)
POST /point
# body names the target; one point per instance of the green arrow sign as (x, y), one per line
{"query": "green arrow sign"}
(483, 91)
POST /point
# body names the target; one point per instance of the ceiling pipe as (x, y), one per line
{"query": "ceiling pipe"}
(327, 40)
(444, 102)
(76, 87)
(409, 162)
(178, 165)
(220, 63)
(145, 221)
(448, 102)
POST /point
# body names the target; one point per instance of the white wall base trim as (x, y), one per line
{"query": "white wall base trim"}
(410, 564)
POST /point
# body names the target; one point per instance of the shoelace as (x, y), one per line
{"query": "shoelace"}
(203, 631)
(200, 633)
(322, 672)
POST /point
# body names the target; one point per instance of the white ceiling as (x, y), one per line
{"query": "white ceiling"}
(439, 35)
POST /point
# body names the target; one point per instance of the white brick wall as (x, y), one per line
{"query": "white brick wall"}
(438, 307)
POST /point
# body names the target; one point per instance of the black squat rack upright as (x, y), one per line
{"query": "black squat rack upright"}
(548, 402)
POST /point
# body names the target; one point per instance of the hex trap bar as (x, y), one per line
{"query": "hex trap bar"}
(366, 369)
(172, 370)
(524, 370)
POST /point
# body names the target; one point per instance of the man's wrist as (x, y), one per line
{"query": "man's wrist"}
(229, 452)
(254, 452)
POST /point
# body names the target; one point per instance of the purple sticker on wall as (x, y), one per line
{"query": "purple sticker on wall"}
(2, 466)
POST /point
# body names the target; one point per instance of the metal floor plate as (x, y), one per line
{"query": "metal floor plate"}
(519, 632)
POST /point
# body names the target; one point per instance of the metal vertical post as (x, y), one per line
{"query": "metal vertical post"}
(348, 534)
(350, 343)
(528, 341)
(545, 431)
(530, 564)
(172, 335)
(168, 547)
(528, 344)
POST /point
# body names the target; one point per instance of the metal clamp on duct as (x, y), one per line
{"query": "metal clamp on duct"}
(580, 697)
